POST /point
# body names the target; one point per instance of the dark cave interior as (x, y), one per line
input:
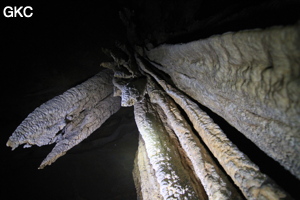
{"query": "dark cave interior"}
(60, 47)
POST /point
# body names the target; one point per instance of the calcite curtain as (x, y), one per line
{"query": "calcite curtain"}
(250, 78)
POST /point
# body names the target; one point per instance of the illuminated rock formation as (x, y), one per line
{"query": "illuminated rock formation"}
(234, 162)
(250, 78)
(69, 118)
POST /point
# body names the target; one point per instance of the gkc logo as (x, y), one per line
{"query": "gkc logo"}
(15, 11)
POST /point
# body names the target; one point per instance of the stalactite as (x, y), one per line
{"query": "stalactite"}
(128, 81)
(173, 179)
(42, 125)
(185, 161)
(132, 90)
(82, 127)
(68, 118)
(250, 78)
(144, 175)
(214, 181)
(245, 174)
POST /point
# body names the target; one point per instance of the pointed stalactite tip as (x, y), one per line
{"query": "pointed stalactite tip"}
(11, 144)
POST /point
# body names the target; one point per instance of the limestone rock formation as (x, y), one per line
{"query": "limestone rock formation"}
(144, 175)
(250, 78)
(173, 179)
(234, 163)
(68, 118)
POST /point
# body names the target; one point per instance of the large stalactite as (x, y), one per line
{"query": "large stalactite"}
(245, 174)
(69, 118)
(250, 78)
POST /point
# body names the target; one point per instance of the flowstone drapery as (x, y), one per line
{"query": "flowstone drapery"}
(250, 78)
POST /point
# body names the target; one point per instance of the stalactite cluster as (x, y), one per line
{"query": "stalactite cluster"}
(245, 174)
(68, 118)
(250, 78)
